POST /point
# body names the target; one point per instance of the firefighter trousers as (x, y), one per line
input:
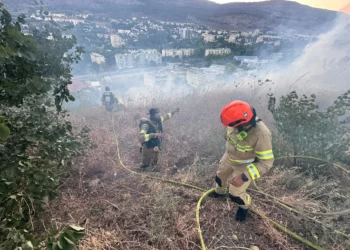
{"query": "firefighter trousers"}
(225, 173)
(149, 156)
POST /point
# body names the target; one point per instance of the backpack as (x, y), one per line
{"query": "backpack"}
(108, 98)
(151, 130)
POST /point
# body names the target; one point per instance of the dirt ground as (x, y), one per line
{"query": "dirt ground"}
(120, 210)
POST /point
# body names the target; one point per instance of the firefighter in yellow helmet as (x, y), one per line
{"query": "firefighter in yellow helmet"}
(151, 131)
(247, 157)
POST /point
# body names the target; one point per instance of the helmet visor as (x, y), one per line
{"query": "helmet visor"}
(236, 123)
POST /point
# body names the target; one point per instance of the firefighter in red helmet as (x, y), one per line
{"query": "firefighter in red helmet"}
(248, 154)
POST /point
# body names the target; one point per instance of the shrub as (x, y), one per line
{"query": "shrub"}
(37, 141)
(311, 131)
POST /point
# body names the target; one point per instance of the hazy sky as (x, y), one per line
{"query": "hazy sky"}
(324, 4)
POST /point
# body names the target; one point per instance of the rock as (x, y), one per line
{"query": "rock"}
(253, 248)
(234, 237)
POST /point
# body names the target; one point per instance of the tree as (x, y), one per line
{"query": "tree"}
(37, 142)
(310, 131)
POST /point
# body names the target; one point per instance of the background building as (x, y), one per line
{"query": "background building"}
(138, 58)
(218, 52)
(117, 41)
(97, 58)
(177, 52)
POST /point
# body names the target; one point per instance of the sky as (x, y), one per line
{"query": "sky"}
(323, 4)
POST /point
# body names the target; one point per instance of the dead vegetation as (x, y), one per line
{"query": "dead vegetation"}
(124, 211)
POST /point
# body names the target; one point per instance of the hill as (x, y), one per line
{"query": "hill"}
(270, 15)
(123, 210)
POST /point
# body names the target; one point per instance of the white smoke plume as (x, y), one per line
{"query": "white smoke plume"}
(324, 67)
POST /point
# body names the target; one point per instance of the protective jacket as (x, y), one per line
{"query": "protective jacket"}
(147, 128)
(252, 148)
(247, 152)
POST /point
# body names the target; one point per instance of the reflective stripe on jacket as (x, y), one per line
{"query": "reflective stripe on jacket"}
(255, 149)
(148, 128)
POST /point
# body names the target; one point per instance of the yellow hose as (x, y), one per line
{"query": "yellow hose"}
(207, 192)
(149, 176)
(291, 209)
(284, 229)
(197, 217)
(314, 158)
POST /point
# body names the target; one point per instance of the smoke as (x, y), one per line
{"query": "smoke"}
(322, 69)
(324, 66)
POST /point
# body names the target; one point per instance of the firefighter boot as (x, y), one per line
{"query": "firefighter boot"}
(241, 214)
(216, 195)
(144, 167)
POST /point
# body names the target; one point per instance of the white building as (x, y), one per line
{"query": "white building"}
(248, 61)
(125, 61)
(177, 52)
(204, 76)
(58, 15)
(267, 38)
(137, 58)
(95, 84)
(256, 32)
(150, 55)
(232, 38)
(208, 38)
(126, 32)
(117, 41)
(188, 52)
(169, 52)
(63, 18)
(97, 58)
(245, 33)
(260, 39)
(185, 33)
(218, 52)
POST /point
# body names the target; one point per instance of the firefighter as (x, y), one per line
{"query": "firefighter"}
(109, 100)
(247, 157)
(151, 135)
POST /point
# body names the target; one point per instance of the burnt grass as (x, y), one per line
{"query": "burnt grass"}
(120, 210)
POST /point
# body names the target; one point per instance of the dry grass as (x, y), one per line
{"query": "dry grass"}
(124, 211)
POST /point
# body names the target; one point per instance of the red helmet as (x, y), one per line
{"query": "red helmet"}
(236, 113)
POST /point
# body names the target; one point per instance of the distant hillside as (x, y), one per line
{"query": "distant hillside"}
(271, 15)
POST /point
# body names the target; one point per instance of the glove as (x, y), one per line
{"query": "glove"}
(156, 149)
(157, 135)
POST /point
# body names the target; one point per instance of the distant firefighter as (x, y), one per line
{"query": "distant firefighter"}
(151, 131)
(248, 154)
(109, 100)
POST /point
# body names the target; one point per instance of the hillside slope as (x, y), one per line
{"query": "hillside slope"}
(282, 16)
(121, 210)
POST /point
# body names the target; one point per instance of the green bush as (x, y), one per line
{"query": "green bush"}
(37, 142)
(309, 131)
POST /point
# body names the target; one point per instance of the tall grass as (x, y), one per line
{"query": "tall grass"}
(151, 215)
